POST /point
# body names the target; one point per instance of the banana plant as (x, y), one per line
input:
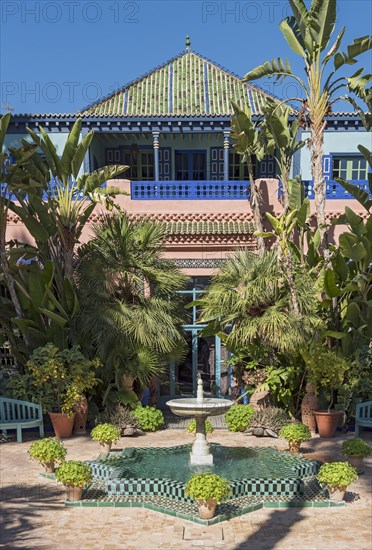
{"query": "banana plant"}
(280, 138)
(56, 217)
(248, 143)
(308, 33)
(54, 202)
(282, 232)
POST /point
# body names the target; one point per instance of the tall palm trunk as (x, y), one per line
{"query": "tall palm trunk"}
(318, 107)
(317, 141)
(256, 207)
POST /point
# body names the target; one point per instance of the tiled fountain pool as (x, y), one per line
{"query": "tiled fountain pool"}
(155, 478)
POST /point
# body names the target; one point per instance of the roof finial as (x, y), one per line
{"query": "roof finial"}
(188, 43)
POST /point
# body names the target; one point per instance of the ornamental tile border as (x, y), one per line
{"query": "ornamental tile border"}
(291, 492)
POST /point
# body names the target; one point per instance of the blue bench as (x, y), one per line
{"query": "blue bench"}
(17, 415)
(363, 416)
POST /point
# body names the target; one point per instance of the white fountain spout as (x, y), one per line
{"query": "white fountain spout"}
(199, 391)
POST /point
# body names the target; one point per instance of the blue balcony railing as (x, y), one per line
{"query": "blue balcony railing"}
(189, 190)
(334, 190)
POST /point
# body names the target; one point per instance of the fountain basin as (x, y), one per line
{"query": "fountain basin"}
(253, 472)
(190, 407)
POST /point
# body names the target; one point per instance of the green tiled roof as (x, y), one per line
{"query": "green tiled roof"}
(209, 228)
(187, 85)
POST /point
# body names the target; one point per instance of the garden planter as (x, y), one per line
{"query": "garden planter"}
(336, 495)
(207, 508)
(62, 424)
(49, 467)
(128, 382)
(309, 404)
(81, 416)
(356, 461)
(327, 422)
(294, 447)
(105, 447)
(73, 493)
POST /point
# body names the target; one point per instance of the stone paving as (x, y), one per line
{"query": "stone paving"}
(34, 516)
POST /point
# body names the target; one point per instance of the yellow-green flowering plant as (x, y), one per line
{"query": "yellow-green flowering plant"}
(325, 369)
(65, 375)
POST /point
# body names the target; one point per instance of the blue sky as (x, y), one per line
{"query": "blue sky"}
(60, 55)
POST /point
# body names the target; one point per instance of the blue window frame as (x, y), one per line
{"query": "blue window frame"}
(191, 165)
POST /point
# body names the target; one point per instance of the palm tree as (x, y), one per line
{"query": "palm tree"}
(250, 301)
(130, 312)
(248, 143)
(308, 33)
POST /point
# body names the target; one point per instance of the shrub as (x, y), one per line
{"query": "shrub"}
(191, 427)
(295, 434)
(105, 433)
(271, 418)
(208, 486)
(238, 417)
(60, 377)
(47, 450)
(356, 447)
(337, 475)
(74, 473)
(149, 418)
(118, 415)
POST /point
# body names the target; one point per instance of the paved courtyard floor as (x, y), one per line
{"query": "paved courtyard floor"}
(33, 515)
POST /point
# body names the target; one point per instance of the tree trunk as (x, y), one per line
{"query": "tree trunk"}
(317, 142)
(255, 205)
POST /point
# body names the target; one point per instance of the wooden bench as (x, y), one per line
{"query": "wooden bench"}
(17, 415)
(363, 416)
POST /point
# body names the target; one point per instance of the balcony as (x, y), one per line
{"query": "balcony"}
(334, 190)
(190, 190)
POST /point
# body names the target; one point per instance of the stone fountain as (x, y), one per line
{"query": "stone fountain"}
(200, 408)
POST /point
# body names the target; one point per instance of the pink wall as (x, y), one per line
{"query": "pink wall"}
(193, 210)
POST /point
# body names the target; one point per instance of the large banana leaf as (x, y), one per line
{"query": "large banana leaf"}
(4, 123)
(359, 194)
(322, 19)
(292, 35)
(359, 46)
(70, 150)
(277, 67)
(81, 151)
(335, 46)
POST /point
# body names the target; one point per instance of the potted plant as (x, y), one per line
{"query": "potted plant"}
(355, 450)
(106, 434)
(326, 369)
(208, 490)
(74, 474)
(49, 452)
(336, 476)
(64, 376)
(295, 434)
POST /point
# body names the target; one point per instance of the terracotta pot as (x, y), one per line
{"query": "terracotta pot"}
(207, 508)
(73, 493)
(105, 447)
(62, 424)
(327, 422)
(356, 461)
(81, 416)
(127, 382)
(49, 467)
(336, 495)
(309, 404)
(294, 447)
